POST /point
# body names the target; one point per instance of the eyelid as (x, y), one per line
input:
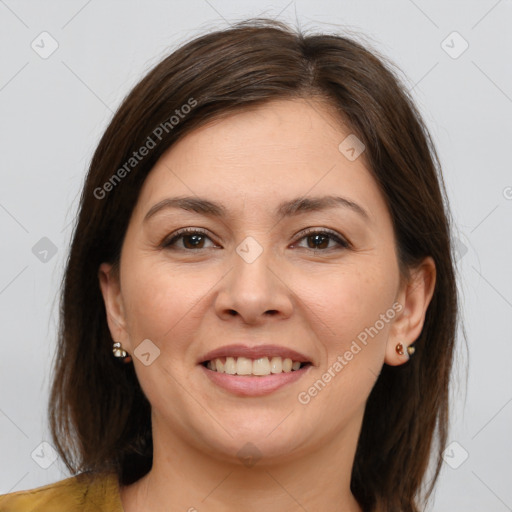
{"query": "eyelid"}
(167, 241)
(334, 235)
(341, 240)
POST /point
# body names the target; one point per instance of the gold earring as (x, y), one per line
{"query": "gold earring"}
(400, 349)
(119, 352)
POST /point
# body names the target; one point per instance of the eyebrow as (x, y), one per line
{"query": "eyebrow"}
(285, 209)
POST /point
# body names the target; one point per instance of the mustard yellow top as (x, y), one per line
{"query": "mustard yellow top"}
(80, 493)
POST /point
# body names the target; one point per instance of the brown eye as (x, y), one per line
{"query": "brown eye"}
(191, 239)
(319, 240)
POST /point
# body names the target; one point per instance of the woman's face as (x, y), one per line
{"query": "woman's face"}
(248, 274)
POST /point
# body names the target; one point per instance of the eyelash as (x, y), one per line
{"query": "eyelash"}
(332, 235)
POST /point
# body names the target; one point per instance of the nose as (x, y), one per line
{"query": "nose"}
(254, 290)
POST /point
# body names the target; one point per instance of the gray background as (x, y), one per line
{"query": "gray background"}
(54, 109)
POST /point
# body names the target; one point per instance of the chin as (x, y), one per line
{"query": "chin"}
(251, 441)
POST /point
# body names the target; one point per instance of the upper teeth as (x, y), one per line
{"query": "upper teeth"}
(246, 366)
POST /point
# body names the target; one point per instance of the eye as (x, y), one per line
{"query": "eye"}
(320, 239)
(192, 238)
(317, 240)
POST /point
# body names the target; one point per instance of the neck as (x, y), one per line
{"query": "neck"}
(185, 478)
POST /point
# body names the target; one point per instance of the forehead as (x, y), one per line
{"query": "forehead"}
(303, 125)
(282, 149)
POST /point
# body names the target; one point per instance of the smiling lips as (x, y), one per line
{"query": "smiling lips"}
(260, 360)
(254, 371)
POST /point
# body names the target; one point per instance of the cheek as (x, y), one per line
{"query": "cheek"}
(344, 305)
(348, 323)
(158, 297)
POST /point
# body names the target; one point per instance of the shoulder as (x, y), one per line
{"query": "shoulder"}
(82, 492)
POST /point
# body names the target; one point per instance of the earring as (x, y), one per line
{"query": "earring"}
(119, 352)
(400, 349)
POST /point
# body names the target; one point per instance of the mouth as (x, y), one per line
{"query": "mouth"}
(254, 371)
(258, 361)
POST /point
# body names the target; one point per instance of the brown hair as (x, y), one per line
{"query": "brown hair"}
(99, 416)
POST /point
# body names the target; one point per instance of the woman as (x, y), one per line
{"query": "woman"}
(259, 307)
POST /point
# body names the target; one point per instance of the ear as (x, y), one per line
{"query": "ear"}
(414, 297)
(111, 291)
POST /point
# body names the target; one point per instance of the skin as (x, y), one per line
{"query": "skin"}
(189, 301)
